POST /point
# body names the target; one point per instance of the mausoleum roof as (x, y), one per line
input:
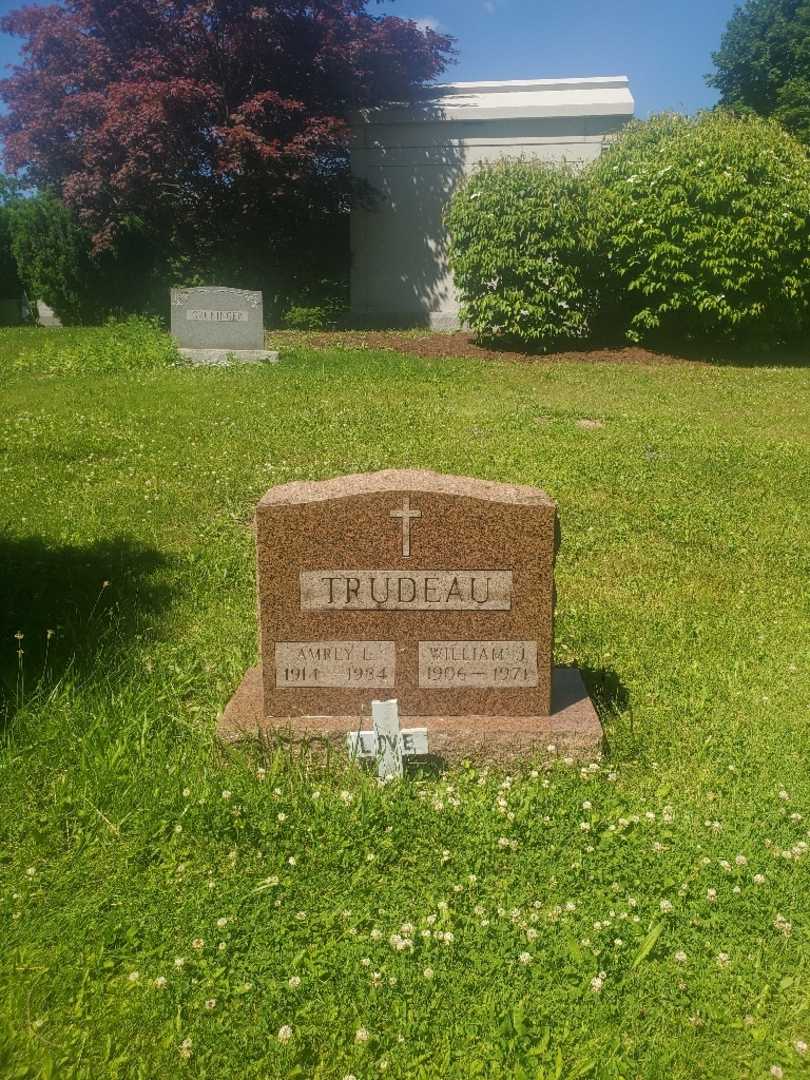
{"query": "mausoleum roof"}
(598, 96)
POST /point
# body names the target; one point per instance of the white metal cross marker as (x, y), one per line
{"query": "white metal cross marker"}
(407, 515)
(387, 744)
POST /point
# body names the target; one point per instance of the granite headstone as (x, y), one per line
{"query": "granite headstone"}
(434, 590)
(211, 323)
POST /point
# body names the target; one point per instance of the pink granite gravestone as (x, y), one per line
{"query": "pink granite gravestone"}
(435, 590)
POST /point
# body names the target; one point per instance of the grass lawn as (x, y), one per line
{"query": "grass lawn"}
(169, 908)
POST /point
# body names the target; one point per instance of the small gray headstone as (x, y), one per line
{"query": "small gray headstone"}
(211, 323)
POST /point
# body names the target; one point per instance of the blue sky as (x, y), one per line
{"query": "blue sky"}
(664, 46)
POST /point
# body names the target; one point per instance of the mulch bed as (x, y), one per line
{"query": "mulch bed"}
(463, 345)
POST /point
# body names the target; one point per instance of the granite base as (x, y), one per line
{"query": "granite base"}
(573, 728)
(222, 357)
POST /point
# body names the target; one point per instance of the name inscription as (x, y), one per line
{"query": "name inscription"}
(207, 315)
(346, 664)
(456, 664)
(403, 590)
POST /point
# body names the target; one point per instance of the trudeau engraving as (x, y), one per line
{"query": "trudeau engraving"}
(456, 664)
(407, 515)
(403, 590)
(346, 664)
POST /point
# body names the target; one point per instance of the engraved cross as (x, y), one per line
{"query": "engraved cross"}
(407, 515)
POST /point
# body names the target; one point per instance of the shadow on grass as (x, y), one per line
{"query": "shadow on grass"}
(69, 602)
(608, 692)
(611, 699)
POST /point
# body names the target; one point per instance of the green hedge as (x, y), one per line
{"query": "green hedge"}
(704, 228)
(688, 229)
(521, 249)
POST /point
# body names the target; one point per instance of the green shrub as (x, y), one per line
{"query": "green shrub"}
(313, 317)
(135, 344)
(704, 229)
(52, 253)
(520, 251)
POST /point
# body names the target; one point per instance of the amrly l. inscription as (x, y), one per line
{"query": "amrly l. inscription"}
(345, 664)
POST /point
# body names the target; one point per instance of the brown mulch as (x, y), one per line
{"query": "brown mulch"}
(462, 344)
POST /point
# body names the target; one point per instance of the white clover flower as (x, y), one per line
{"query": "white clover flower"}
(281, 818)
(346, 797)
(783, 795)
(186, 792)
(222, 921)
(532, 934)
(598, 981)
(285, 1033)
(185, 1048)
(585, 826)
(294, 982)
(722, 959)
(741, 860)
(361, 1035)
(776, 1072)
(525, 958)
(666, 907)
(159, 982)
(711, 895)
(211, 1004)
(759, 879)
(587, 805)
(133, 976)
(198, 943)
(428, 973)
(226, 795)
(680, 957)
(179, 961)
(782, 924)
(800, 1046)
(291, 861)
(503, 842)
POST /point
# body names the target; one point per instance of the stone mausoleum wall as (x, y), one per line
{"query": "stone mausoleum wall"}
(412, 158)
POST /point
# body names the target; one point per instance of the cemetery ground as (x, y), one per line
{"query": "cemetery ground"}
(171, 907)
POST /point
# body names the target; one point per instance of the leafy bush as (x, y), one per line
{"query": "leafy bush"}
(520, 250)
(55, 260)
(704, 227)
(135, 344)
(52, 253)
(314, 317)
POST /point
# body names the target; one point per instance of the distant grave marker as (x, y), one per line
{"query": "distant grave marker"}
(212, 325)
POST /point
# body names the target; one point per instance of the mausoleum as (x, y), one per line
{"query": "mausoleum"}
(412, 158)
